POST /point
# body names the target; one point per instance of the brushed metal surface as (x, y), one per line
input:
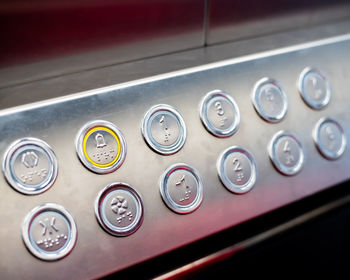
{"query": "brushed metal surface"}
(58, 77)
(58, 121)
(236, 20)
(115, 31)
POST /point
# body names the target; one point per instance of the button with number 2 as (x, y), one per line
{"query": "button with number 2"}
(237, 169)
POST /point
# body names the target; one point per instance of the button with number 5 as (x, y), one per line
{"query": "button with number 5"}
(237, 169)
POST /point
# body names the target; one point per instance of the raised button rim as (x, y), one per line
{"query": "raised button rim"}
(259, 109)
(99, 199)
(203, 108)
(317, 140)
(161, 149)
(220, 166)
(27, 223)
(304, 95)
(179, 209)
(15, 184)
(80, 150)
(289, 171)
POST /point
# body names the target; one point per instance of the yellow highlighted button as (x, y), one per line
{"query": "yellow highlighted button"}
(101, 146)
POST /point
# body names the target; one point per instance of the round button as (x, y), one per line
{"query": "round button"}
(329, 138)
(219, 114)
(181, 188)
(101, 147)
(119, 209)
(49, 232)
(237, 169)
(30, 166)
(163, 129)
(286, 153)
(314, 88)
(269, 100)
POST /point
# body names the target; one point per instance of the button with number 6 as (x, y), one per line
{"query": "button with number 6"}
(237, 169)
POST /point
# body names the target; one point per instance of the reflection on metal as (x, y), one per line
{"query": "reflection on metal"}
(58, 121)
(208, 261)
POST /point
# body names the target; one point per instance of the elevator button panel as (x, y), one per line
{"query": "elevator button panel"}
(202, 162)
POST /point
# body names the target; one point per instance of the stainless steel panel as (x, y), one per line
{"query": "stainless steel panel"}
(58, 121)
(235, 19)
(44, 39)
(36, 81)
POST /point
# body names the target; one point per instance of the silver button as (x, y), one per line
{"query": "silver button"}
(101, 146)
(30, 166)
(49, 232)
(314, 88)
(163, 129)
(286, 153)
(237, 169)
(119, 209)
(219, 114)
(181, 188)
(329, 138)
(269, 100)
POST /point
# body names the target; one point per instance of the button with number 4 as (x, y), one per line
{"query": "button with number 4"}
(219, 114)
(286, 152)
(237, 169)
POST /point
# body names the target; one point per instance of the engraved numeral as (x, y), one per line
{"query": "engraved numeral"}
(331, 136)
(318, 91)
(164, 124)
(270, 97)
(287, 151)
(188, 192)
(219, 109)
(237, 167)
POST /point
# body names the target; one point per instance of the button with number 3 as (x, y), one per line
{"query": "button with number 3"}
(237, 169)
(219, 113)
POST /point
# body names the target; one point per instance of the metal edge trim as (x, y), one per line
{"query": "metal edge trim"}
(237, 60)
(226, 253)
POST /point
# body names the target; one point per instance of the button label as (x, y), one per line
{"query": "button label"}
(101, 147)
(182, 182)
(119, 209)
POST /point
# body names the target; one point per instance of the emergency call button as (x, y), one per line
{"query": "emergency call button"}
(101, 147)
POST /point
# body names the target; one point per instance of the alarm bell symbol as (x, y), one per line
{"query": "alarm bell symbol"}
(100, 141)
